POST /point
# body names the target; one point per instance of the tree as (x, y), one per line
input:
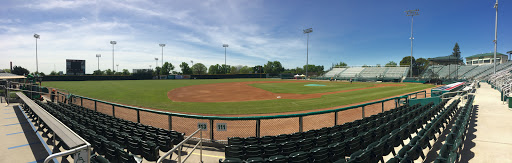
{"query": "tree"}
(98, 72)
(126, 72)
(18, 70)
(406, 61)
(185, 69)
(199, 69)
(273, 67)
(420, 66)
(215, 69)
(109, 72)
(390, 64)
(456, 51)
(168, 67)
(365, 65)
(234, 70)
(245, 70)
(53, 73)
(341, 64)
(118, 73)
(143, 74)
(7, 70)
(257, 69)
(158, 70)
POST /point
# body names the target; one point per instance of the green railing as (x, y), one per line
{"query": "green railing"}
(219, 128)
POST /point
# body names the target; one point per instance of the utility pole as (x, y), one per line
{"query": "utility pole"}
(412, 13)
(495, 35)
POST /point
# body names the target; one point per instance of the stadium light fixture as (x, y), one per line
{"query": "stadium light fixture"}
(307, 31)
(225, 65)
(495, 35)
(37, 64)
(113, 43)
(162, 45)
(156, 62)
(117, 65)
(98, 56)
(412, 13)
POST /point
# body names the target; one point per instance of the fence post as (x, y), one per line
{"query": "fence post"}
(363, 111)
(113, 111)
(81, 101)
(211, 130)
(300, 124)
(95, 108)
(169, 118)
(258, 129)
(396, 103)
(382, 107)
(138, 116)
(336, 118)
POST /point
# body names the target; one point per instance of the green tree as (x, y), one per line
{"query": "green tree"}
(215, 69)
(390, 64)
(341, 64)
(199, 69)
(365, 65)
(53, 73)
(185, 69)
(456, 50)
(257, 69)
(157, 71)
(109, 72)
(420, 66)
(126, 72)
(98, 72)
(378, 65)
(225, 69)
(7, 70)
(406, 61)
(245, 70)
(168, 67)
(118, 73)
(273, 67)
(18, 70)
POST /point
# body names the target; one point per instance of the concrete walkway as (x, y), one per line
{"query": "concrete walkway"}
(489, 137)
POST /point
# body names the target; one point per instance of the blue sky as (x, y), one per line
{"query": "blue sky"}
(356, 32)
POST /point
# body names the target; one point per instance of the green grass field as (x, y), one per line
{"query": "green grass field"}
(153, 94)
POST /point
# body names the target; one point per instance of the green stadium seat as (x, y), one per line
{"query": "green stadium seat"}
(305, 144)
(233, 151)
(271, 149)
(150, 151)
(288, 148)
(253, 151)
(236, 141)
(322, 141)
(336, 151)
(267, 139)
(298, 157)
(231, 160)
(278, 159)
(296, 136)
(281, 138)
(255, 160)
(252, 141)
(319, 155)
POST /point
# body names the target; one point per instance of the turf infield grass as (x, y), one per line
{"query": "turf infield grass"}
(153, 94)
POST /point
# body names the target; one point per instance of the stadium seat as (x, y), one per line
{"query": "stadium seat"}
(271, 149)
(150, 151)
(278, 159)
(299, 157)
(234, 151)
(231, 160)
(305, 144)
(319, 155)
(322, 141)
(253, 151)
(236, 141)
(289, 147)
(267, 140)
(281, 138)
(336, 151)
(255, 160)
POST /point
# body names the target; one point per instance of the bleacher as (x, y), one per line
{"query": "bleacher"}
(463, 69)
(115, 139)
(491, 70)
(370, 73)
(334, 72)
(478, 70)
(373, 72)
(351, 72)
(446, 71)
(396, 72)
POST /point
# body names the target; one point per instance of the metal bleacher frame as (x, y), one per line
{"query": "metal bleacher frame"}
(76, 143)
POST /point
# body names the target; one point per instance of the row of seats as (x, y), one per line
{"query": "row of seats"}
(343, 143)
(345, 146)
(386, 144)
(455, 138)
(110, 136)
(414, 149)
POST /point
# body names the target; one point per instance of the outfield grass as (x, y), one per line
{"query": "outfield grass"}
(153, 94)
(300, 88)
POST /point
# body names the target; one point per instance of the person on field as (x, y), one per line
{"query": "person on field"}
(350, 80)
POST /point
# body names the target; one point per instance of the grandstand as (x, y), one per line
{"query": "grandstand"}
(463, 71)
(368, 73)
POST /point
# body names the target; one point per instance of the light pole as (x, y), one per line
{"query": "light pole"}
(307, 31)
(117, 65)
(113, 43)
(98, 56)
(412, 13)
(225, 65)
(495, 35)
(37, 64)
(162, 45)
(156, 62)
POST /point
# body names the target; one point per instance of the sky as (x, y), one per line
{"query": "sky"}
(363, 32)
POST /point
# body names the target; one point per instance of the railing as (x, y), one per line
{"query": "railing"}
(70, 138)
(180, 146)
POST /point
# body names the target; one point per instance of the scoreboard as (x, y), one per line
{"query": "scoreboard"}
(75, 67)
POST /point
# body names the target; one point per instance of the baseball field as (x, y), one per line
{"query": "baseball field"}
(235, 96)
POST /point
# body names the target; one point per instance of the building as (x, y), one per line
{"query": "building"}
(486, 58)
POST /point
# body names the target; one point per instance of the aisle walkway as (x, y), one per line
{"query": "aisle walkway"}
(489, 137)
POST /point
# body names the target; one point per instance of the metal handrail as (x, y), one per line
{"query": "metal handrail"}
(70, 152)
(200, 143)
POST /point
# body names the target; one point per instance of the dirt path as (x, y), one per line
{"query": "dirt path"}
(242, 91)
